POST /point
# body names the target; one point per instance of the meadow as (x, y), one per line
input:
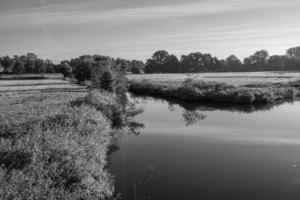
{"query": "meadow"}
(231, 78)
(32, 82)
(232, 88)
(54, 142)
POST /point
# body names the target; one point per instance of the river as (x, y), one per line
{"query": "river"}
(192, 152)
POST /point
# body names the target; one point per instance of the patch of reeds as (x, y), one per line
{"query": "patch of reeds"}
(214, 92)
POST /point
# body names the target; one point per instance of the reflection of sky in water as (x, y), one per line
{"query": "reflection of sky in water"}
(227, 155)
(278, 125)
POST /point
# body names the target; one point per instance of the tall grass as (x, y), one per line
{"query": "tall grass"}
(200, 91)
(59, 150)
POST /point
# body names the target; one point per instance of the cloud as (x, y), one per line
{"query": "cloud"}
(59, 16)
(139, 27)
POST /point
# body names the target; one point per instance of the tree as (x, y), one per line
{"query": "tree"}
(82, 71)
(160, 57)
(261, 57)
(292, 60)
(65, 69)
(7, 63)
(194, 62)
(30, 63)
(257, 62)
(234, 64)
(19, 67)
(49, 66)
(137, 66)
(293, 53)
(1, 67)
(158, 61)
(40, 66)
(276, 63)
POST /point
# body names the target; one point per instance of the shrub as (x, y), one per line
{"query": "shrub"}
(82, 72)
(66, 70)
(245, 97)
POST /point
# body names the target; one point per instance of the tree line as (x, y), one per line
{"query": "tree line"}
(160, 62)
(163, 62)
(31, 64)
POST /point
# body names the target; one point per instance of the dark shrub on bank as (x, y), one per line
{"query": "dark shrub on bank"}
(217, 92)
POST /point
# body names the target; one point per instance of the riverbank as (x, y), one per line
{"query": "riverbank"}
(218, 92)
(54, 145)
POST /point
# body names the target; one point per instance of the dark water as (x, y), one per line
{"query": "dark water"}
(190, 152)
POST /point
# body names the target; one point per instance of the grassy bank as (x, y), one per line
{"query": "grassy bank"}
(54, 148)
(215, 92)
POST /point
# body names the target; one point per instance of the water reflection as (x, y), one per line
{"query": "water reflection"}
(192, 117)
(190, 151)
(141, 184)
(204, 106)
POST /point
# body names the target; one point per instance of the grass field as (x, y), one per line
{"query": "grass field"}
(51, 147)
(30, 76)
(231, 88)
(47, 83)
(236, 79)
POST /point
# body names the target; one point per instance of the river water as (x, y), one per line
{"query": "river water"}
(192, 152)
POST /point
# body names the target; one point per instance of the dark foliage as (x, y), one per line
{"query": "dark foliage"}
(199, 91)
(29, 64)
(163, 62)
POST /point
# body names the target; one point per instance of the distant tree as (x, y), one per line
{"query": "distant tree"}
(160, 57)
(135, 70)
(124, 64)
(198, 62)
(276, 63)
(19, 67)
(161, 62)
(293, 53)
(40, 66)
(1, 67)
(292, 60)
(192, 62)
(137, 66)
(49, 66)
(82, 71)
(257, 62)
(261, 56)
(7, 63)
(65, 69)
(234, 64)
(30, 63)
(171, 65)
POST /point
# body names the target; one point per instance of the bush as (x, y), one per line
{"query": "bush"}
(82, 72)
(66, 70)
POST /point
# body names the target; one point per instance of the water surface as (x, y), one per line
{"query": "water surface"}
(194, 152)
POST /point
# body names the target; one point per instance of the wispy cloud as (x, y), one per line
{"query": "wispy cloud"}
(133, 28)
(59, 15)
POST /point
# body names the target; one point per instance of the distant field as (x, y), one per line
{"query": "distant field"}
(235, 78)
(48, 83)
(30, 76)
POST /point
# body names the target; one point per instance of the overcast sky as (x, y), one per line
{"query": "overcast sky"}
(134, 29)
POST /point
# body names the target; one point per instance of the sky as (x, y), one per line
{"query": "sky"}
(135, 29)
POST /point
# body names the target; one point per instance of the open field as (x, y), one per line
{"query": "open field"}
(49, 83)
(236, 79)
(30, 76)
